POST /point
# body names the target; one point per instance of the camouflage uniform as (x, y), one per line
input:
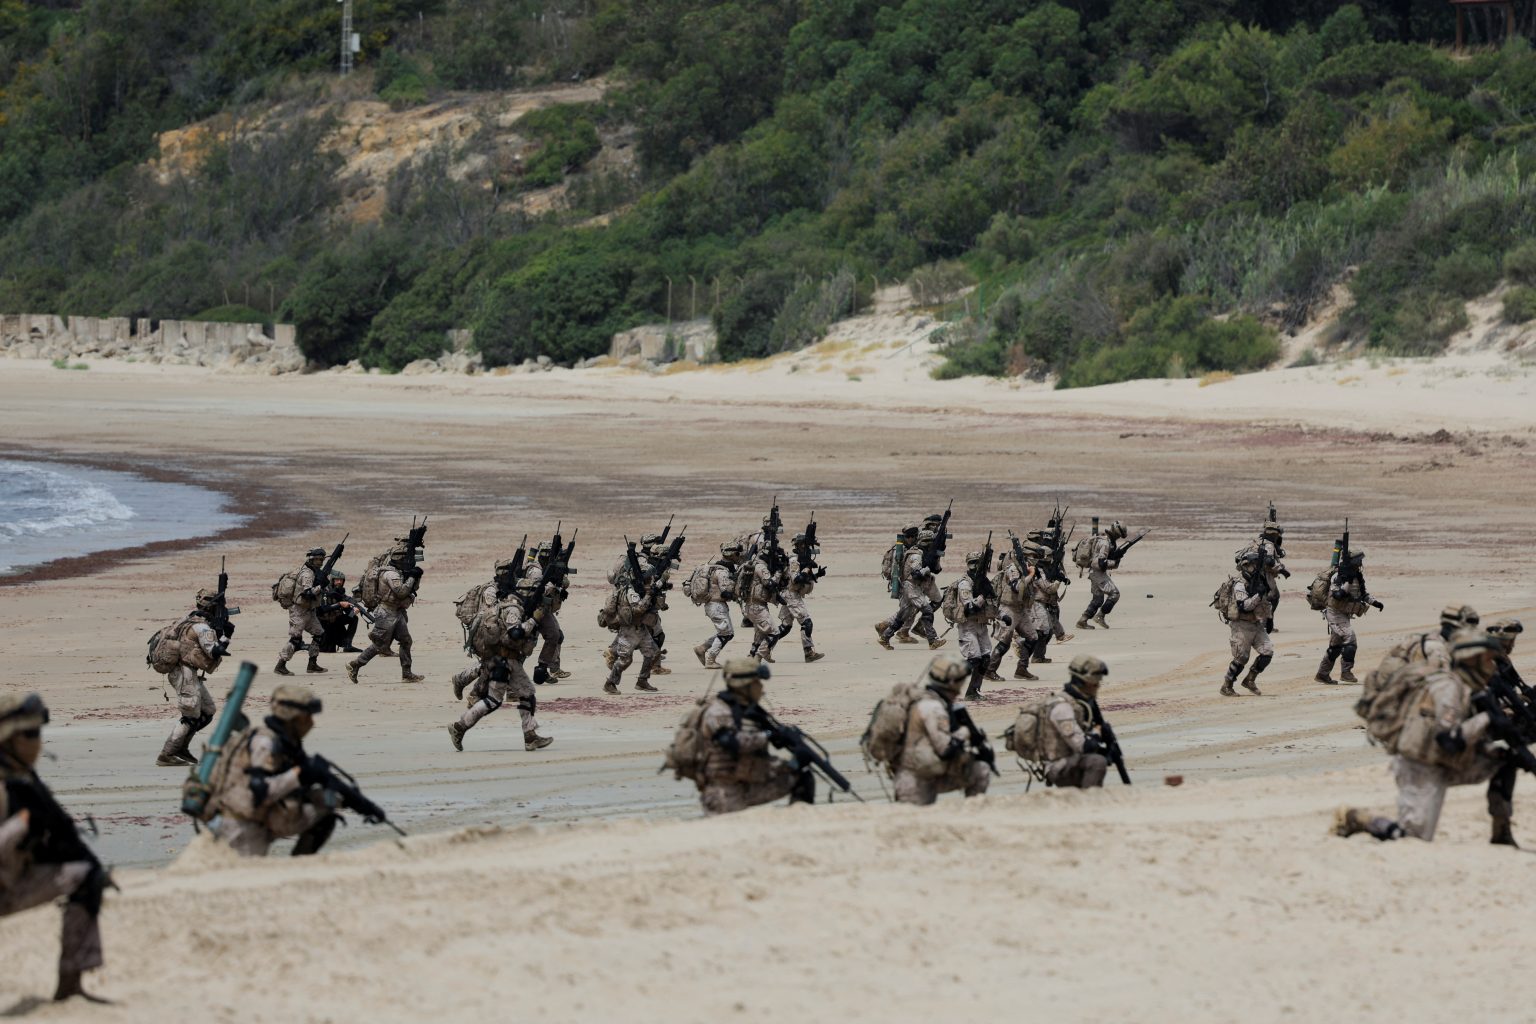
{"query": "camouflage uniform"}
(762, 587)
(935, 758)
(632, 634)
(194, 703)
(501, 676)
(308, 594)
(739, 771)
(1103, 594)
(1247, 632)
(975, 612)
(60, 867)
(919, 597)
(547, 626)
(1016, 599)
(1346, 602)
(801, 580)
(397, 592)
(1079, 768)
(722, 589)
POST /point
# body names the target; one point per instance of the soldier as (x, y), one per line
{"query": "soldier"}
(1506, 632)
(938, 755)
(629, 604)
(42, 857)
(759, 587)
(1076, 760)
(905, 614)
(267, 788)
(1047, 595)
(1433, 648)
(1445, 743)
(504, 676)
(1103, 594)
(659, 555)
(975, 610)
(1252, 604)
(799, 581)
(547, 625)
(338, 617)
(398, 585)
(201, 649)
(1347, 600)
(308, 595)
(1028, 620)
(722, 589)
(919, 594)
(738, 770)
(1269, 542)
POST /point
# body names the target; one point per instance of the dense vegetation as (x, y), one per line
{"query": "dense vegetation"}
(1138, 187)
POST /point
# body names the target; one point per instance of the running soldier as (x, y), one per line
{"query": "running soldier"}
(758, 586)
(199, 649)
(1433, 649)
(1102, 556)
(720, 591)
(398, 584)
(942, 750)
(498, 678)
(919, 594)
(1347, 601)
(738, 769)
(800, 580)
(629, 603)
(891, 564)
(1017, 601)
(1445, 742)
(265, 787)
(1047, 594)
(547, 625)
(42, 857)
(975, 609)
(308, 595)
(1249, 608)
(1269, 542)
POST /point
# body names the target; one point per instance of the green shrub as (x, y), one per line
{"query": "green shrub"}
(1383, 150)
(1175, 338)
(567, 139)
(1520, 263)
(341, 292)
(1520, 304)
(745, 318)
(233, 314)
(566, 302)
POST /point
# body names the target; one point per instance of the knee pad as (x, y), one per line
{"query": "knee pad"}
(1109, 604)
(805, 625)
(491, 703)
(1262, 663)
(559, 636)
(192, 722)
(529, 703)
(296, 641)
(660, 636)
(1333, 650)
(1349, 651)
(501, 672)
(1093, 607)
(313, 838)
(1236, 667)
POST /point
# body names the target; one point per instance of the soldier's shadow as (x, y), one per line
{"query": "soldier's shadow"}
(24, 1006)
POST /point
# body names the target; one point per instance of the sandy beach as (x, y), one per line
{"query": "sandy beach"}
(580, 884)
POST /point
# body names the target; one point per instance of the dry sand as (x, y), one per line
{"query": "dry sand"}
(605, 897)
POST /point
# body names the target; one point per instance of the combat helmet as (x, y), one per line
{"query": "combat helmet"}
(21, 713)
(1116, 531)
(1475, 655)
(741, 673)
(206, 601)
(946, 672)
(316, 556)
(1088, 672)
(291, 700)
(1506, 632)
(1458, 616)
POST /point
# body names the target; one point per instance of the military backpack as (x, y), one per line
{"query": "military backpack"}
(886, 733)
(1317, 590)
(1032, 737)
(689, 747)
(1082, 553)
(949, 604)
(1387, 694)
(1225, 599)
(696, 586)
(286, 590)
(467, 607)
(368, 586)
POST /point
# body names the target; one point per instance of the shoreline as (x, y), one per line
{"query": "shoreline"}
(259, 505)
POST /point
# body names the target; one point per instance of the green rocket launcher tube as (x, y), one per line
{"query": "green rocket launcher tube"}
(194, 797)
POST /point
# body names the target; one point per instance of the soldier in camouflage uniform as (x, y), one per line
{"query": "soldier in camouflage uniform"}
(308, 596)
(629, 605)
(739, 771)
(189, 679)
(919, 593)
(1250, 608)
(398, 585)
(799, 582)
(547, 625)
(1347, 601)
(1103, 594)
(936, 756)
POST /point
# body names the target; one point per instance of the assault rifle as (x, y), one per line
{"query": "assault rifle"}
(219, 620)
(1055, 544)
(801, 747)
(1117, 551)
(773, 554)
(935, 550)
(673, 554)
(666, 530)
(961, 715)
(637, 576)
(1110, 743)
(417, 540)
(1350, 570)
(343, 786)
(805, 551)
(980, 582)
(557, 572)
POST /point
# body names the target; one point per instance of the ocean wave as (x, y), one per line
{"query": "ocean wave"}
(36, 501)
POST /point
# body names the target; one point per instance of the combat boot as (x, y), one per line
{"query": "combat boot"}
(559, 673)
(768, 655)
(456, 735)
(1082, 623)
(1347, 821)
(281, 668)
(1226, 689)
(1251, 684)
(1325, 667)
(610, 687)
(411, 677)
(883, 641)
(903, 637)
(700, 652)
(936, 643)
(533, 741)
(992, 677)
(1503, 835)
(1347, 674)
(1098, 621)
(1021, 671)
(661, 670)
(314, 666)
(352, 668)
(1064, 638)
(813, 655)
(645, 685)
(166, 760)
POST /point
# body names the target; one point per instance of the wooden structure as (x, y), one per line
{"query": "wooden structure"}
(1490, 13)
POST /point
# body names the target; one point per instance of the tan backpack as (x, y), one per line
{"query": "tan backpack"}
(949, 604)
(1317, 590)
(164, 649)
(488, 632)
(1032, 737)
(696, 586)
(233, 760)
(1082, 553)
(368, 587)
(890, 565)
(1387, 695)
(286, 590)
(1225, 599)
(689, 749)
(886, 734)
(467, 607)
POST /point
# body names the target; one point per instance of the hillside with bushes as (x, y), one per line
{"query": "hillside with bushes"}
(1130, 188)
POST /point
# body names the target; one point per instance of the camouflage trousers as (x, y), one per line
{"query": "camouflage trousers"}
(1421, 792)
(719, 617)
(794, 609)
(1080, 771)
(389, 626)
(965, 773)
(80, 948)
(194, 704)
(488, 694)
(626, 641)
(1249, 638)
(725, 797)
(300, 621)
(764, 632)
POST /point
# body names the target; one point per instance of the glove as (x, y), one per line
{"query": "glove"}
(517, 632)
(727, 595)
(1286, 573)
(564, 593)
(221, 649)
(1378, 606)
(1091, 745)
(821, 571)
(415, 572)
(315, 772)
(1451, 741)
(1007, 619)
